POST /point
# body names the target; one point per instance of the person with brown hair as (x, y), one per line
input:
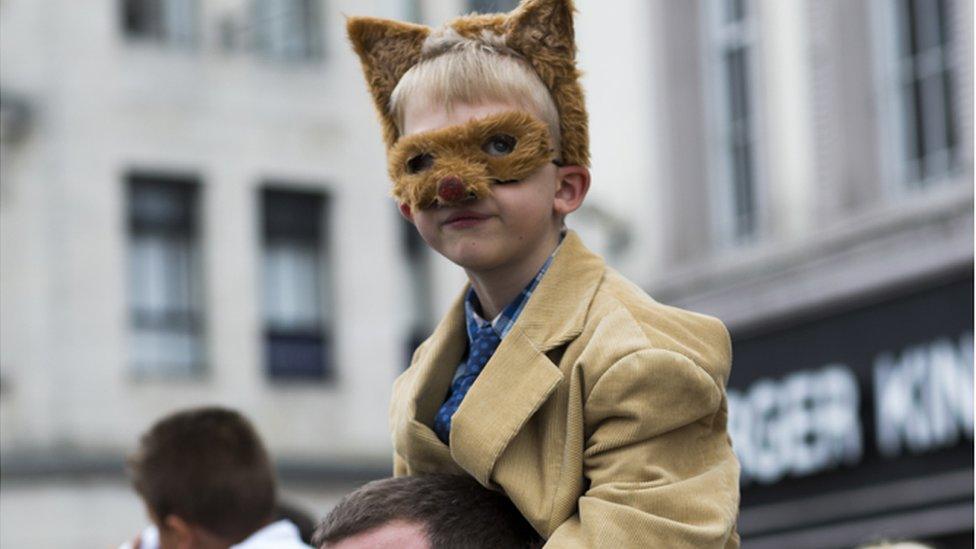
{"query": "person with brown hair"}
(207, 482)
(425, 512)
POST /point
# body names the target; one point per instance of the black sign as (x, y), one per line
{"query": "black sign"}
(865, 397)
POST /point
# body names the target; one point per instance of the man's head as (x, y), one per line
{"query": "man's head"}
(205, 478)
(425, 512)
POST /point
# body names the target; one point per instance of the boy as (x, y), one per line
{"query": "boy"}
(207, 482)
(599, 412)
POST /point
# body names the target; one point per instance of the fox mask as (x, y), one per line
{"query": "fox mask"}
(453, 164)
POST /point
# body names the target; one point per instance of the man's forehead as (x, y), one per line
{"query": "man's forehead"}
(396, 534)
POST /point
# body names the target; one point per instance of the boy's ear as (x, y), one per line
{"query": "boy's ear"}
(572, 185)
(386, 49)
(406, 212)
(542, 31)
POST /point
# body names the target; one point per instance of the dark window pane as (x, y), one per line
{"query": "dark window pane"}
(912, 25)
(948, 112)
(164, 300)
(142, 18)
(169, 21)
(162, 205)
(926, 24)
(737, 73)
(734, 10)
(293, 215)
(294, 284)
(492, 6)
(942, 15)
(744, 201)
(287, 29)
(297, 356)
(914, 143)
(905, 34)
(934, 114)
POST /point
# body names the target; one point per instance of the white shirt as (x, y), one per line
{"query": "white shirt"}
(277, 535)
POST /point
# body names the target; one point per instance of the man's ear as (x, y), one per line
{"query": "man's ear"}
(571, 188)
(180, 531)
(386, 49)
(406, 212)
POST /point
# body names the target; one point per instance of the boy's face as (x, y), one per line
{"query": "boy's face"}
(514, 224)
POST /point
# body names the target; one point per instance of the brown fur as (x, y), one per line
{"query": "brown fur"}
(458, 151)
(386, 49)
(539, 30)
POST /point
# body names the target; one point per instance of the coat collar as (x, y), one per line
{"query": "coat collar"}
(515, 382)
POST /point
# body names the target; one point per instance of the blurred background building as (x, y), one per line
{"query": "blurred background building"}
(193, 209)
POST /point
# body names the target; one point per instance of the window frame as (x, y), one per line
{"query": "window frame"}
(900, 178)
(265, 44)
(716, 39)
(163, 34)
(325, 295)
(196, 328)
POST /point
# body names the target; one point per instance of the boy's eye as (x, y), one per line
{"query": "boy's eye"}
(499, 145)
(420, 163)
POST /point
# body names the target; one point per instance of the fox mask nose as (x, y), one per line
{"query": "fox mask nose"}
(451, 189)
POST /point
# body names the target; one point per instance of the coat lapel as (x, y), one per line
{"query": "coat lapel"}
(519, 378)
(424, 389)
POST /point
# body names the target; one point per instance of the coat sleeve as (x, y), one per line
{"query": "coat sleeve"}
(657, 458)
(399, 465)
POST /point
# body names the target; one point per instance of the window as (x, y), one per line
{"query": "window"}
(296, 308)
(287, 30)
(411, 10)
(923, 82)
(164, 21)
(492, 6)
(418, 293)
(730, 29)
(165, 297)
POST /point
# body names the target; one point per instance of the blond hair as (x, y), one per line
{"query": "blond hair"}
(454, 69)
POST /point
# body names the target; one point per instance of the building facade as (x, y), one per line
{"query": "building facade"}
(819, 171)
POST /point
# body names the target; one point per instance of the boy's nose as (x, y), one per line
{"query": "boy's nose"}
(450, 189)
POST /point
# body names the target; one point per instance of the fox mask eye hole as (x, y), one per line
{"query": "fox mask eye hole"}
(499, 145)
(419, 163)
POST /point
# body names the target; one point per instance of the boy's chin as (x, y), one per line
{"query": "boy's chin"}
(475, 264)
(482, 260)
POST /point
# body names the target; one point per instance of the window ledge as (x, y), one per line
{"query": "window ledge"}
(909, 239)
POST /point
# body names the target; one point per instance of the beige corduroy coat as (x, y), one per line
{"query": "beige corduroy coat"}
(602, 414)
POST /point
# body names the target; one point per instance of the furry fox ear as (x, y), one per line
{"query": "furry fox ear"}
(543, 28)
(386, 49)
(542, 31)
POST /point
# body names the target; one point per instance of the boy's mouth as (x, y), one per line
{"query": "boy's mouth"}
(465, 218)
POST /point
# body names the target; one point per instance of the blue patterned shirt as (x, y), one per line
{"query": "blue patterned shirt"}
(502, 324)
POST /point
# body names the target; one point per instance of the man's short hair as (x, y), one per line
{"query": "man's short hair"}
(456, 70)
(454, 511)
(208, 467)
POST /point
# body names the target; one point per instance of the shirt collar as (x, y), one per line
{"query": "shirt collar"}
(503, 323)
(281, 534)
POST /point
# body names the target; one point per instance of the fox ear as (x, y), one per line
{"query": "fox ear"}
(386, 49)
(542, 31)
